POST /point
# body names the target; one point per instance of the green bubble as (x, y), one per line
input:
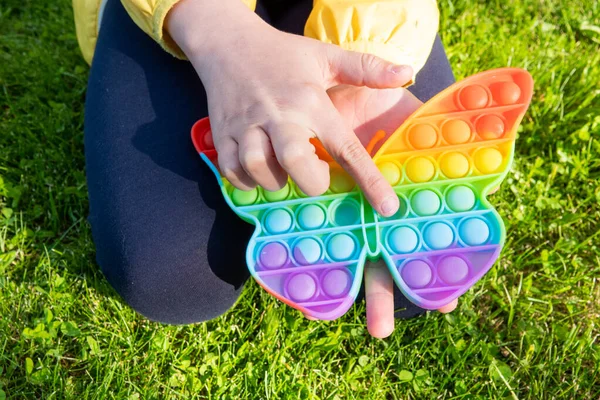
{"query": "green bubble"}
(278, 195)
(243, 197)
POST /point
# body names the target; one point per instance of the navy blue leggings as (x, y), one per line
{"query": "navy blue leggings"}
(165, 238)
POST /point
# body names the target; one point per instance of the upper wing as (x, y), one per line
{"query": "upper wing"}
(442, 162)
(307, 252)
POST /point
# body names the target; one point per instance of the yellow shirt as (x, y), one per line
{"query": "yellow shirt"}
(401, 31)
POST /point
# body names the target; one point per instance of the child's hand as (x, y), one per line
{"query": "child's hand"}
(367, 111)
(267, 96)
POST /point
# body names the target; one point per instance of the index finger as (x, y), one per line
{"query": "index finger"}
(345, 147)
(379, 296)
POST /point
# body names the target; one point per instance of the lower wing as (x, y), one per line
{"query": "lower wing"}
(444, 239)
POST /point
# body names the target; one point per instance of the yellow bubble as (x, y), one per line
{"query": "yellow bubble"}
(488, 160)
(390, 172)
(454, 165)
(420, 169)
(340, 181)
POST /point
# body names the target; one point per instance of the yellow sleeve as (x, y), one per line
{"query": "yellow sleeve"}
(400, 31)
(150, 16)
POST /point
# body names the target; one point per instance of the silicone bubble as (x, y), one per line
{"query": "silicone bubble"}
(403, 239)
(346, 213)
(278, 221)
(490, 127)
(336, 283)
(473, 97)
(460, 198)
(425, 202)
(278, 195)
(420, 169)
(273, 255)
(243, 197)
(438, 235)
(488, 160)
(422, 136)
(416, 273)
(391, 172)
(452, 270)
(340, 181)
(454, 165)
(311, 216)
(307, 251)
(441, 163)
(302, 287)
(456, 131)
(341, 246)
(506, 93)
(474, 231)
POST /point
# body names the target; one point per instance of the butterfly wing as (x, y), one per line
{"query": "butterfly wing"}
(443, 162)
(307, 252)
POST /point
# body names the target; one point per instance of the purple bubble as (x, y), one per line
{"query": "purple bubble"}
(273, 255)
(452, 270)
(301, 287)
(336, 283)
(416, 273)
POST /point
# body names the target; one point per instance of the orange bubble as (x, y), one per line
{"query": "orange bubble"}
(488, 160)
(506, 93)
(473, 97)
(420, 169)
(456, 131)
(454, 165)
(422, 136)
(490, 127)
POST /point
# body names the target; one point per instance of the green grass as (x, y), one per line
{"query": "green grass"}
(528, 330)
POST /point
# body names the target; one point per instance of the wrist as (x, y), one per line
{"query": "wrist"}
(208, 30)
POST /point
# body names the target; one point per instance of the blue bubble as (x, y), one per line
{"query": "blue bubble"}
(403, 240)
(425, 202)
(311, 217)
(278, 221)
(438, 235)
(346, 213)
(341, 247)
(460, 198)
(307, 251)
(474, 231)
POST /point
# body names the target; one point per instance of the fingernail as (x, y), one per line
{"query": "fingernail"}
(390, 206)
(400, 69)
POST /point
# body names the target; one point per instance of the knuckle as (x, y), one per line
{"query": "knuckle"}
(291, 156)
(254, 162)
(373, 182)
(352, 152)
(369, 61)
(230, 172)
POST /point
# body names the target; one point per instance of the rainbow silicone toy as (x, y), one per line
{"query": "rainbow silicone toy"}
(442, 162)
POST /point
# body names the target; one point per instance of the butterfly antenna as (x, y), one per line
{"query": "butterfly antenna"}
(378, 137)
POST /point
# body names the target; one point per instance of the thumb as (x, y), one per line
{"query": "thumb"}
(362, 69)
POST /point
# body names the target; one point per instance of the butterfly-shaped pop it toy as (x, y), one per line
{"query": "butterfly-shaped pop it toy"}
(442, 162)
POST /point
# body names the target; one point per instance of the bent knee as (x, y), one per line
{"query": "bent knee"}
(181, 292)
